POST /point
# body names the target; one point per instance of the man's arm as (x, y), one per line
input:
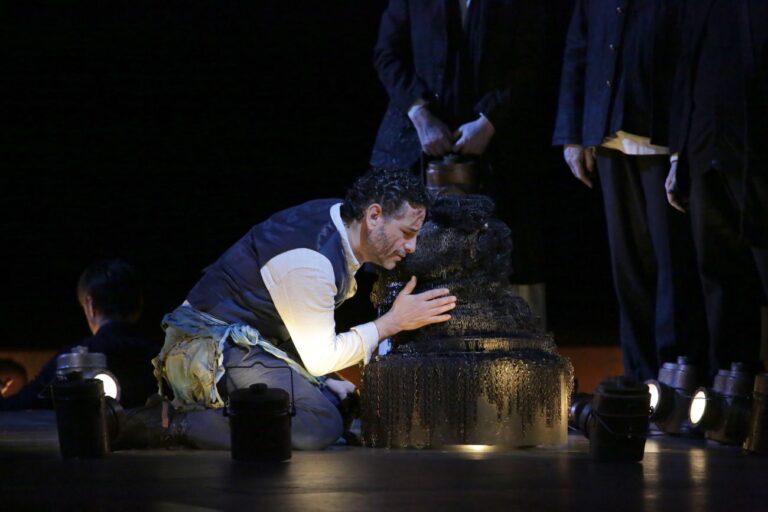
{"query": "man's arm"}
(434, 135)
(581, 162)
(473, 137)
(393, 58)
(303, 294)
(514, 33)
(675, 196)
(570, 112)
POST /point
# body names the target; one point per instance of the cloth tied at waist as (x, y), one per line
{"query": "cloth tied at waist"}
(191, 360)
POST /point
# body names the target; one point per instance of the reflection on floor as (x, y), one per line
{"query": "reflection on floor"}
(676, 474)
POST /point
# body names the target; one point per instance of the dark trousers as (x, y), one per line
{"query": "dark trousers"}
(652, 258)
(732, 272)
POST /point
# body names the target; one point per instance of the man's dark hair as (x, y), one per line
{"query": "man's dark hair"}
(387, 187)
(115, 288)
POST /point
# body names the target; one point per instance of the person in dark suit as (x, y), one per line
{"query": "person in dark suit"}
(721, 173)
(462, 78)
(613, 121)
(110, 293)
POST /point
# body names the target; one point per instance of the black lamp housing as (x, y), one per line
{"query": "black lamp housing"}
(757, 434)
(614, 419)
(674, 388)
(723, 412)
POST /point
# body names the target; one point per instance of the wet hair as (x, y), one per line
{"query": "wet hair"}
(115, 288)
(387, 187)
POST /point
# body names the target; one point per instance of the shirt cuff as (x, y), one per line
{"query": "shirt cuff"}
(673, 158)
(370, 336)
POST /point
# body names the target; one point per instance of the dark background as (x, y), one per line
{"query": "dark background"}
(160, 132)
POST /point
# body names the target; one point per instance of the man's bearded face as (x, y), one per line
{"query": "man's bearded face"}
(393, 239)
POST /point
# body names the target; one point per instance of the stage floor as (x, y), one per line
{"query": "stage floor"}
(676, 474)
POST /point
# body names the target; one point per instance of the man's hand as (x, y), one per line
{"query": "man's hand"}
(673, 194)
(474, 137)
(581, 162)
(340, 388)
(434, 136)
(411, 311)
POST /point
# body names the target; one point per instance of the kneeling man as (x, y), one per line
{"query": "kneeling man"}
(264, 312)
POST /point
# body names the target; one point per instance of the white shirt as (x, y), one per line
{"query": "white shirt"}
(302, 286)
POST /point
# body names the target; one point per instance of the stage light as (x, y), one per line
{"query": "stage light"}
(91, 365)
(757, 437)
(723, 412)
(87, 421)
(662, 398)
(671, 395)
(655, 392)
(109, 381)
(698, 407)
(614, 419)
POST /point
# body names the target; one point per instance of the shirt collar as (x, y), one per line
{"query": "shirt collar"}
(352, 264)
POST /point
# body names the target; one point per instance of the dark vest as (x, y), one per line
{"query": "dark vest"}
(232, 289)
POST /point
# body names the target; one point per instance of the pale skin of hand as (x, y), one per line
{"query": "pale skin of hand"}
(434, 135)
(670, 185)
(474, 137)
(581, 162)
(411, 311)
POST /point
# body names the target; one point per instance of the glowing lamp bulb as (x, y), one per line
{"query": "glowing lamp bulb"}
(111, 388)
(653, 389)
(698, 407)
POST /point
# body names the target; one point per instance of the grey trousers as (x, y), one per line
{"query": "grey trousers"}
(316, 425)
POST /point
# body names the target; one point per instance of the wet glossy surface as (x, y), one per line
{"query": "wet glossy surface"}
(676, 474)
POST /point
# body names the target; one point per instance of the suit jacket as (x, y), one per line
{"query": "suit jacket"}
(411, 58)
(618, 70)
(751, 144)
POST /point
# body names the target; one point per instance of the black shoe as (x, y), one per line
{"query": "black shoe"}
(143, 427)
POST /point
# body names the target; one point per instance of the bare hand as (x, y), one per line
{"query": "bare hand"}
(581, 161)
(673, 194)
(434, 136)
(411, 311)
(474, 137)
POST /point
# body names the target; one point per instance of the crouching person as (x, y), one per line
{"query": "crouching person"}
(264, 311)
